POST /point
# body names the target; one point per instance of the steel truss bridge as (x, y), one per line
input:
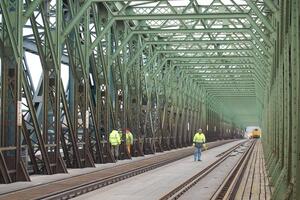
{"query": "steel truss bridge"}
(161, 68)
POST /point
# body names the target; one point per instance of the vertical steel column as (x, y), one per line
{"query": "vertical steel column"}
(52, 84)
(11, 165)
(295, 97)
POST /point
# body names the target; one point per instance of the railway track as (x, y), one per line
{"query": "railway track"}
(224, 190)
(81, 184)
(231, 184)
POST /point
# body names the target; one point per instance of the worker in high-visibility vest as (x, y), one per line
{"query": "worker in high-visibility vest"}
(198, 141)
(115, 141)
(129, 140)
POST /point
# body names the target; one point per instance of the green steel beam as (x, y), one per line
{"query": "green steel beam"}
(125, 41)
(30, 9)
(181, 16)
(77, 18)
(220, 74)
(225, 82)
(199, 42)
(204, 51)
(227, 58)
(209, 87)
(217, 71)
(265, 21)
(140, 61)
(271, 5)
(231, 91)
(212, 64)
(212, 67)
(216, 30)
(188, 31)
(235, 95)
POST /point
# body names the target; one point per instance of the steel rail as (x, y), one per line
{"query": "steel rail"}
(185, 186)
(81, 184)
(230, 185)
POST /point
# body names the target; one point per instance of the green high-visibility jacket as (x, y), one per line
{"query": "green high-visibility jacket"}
(199, 138)
(114, 138)
(129, 138)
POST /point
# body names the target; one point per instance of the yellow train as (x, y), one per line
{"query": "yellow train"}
(256, 133)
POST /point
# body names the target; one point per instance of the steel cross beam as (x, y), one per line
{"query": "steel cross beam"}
(109, 24)
(204, 51)
(181, 16)
(257, 77)
(155, 55)
(168, 30)
(30, 9)
(212, 30)
(198, 42)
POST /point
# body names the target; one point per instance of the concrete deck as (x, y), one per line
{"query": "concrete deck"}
(154, 184)
(44, 179)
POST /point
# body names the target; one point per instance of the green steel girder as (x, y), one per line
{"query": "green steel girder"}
(172, 10)
(128, 37)
(261, 84)
(159, 42)
(271, 5)
(218, 71)
(136, 55)
(197, 16)
(191, 58)
(204, 51)
(216, 30)
(233, 79)
(123, 44)
(82, 101)
(12, 166)
(30, 9)
(196, 64)
(211, 83)
(229, 58)
(117, 51)
(260, 15)
(166, 65)
(217, 75)
(228, 87)
(235, 95)
(231, 91)
(213, 67)
(87, 4)
(180, 16)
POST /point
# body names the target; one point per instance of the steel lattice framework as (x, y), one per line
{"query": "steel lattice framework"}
(162, 68)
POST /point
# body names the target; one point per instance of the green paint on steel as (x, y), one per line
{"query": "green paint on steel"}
(219, 63)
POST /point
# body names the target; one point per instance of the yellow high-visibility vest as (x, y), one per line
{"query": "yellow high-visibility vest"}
(129, 138)
(114, 138)
(199, 138)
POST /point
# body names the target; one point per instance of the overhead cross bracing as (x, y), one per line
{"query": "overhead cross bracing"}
(221, 31)
(162, 68)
